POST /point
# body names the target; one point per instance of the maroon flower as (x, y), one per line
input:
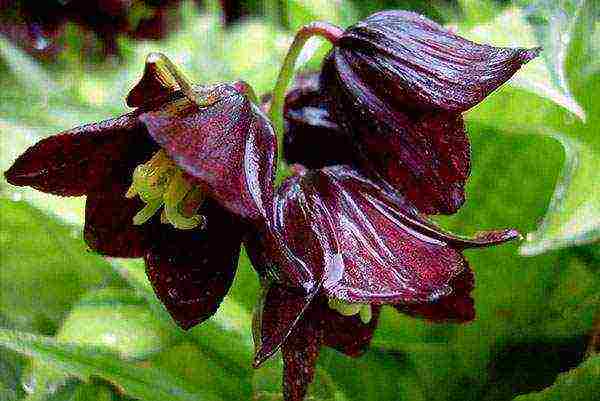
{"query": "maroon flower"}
(397, 83)
(342, 244)
(205, 155)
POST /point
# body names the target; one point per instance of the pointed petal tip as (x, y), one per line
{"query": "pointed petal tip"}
(262, 355)
(498, 236)
(526, 55)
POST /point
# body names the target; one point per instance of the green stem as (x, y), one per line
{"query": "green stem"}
(323, 29)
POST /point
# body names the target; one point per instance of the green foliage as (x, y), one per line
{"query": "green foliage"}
(536, 153)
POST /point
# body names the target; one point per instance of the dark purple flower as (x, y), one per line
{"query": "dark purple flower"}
(397, 83)
(342, 244)
(204, 155)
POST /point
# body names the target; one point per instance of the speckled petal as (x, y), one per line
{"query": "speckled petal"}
(456, 307)
(76, 161)
(109, 228)
(228, 146)
(300, 353)
(279, 311)
(191, 270)
(413, 62)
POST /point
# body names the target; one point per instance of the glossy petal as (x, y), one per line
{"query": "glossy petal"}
(456, 307)
(191, 271)
(227, 145)
(312, 138)
(76, 161)
(280, 310)
(412, 62)
(424, 155)
(382, 250)
(300, 353)
(109, 228)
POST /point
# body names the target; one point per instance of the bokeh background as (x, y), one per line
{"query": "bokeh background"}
(75, 326)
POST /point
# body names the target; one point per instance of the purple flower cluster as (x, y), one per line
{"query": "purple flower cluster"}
(376, 141)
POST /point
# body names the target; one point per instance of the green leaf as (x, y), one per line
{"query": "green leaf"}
(190, 363)
(539, 75)
(44, 268)
(226, 336)
(117, 320)
(145, 383)
(579, 384)
(573, 216)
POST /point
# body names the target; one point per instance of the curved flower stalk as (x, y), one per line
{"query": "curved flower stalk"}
(176, 181)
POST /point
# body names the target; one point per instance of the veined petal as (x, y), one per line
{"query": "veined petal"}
(385, 251)
(76, 161)
(225, 143)
(426, 156)
(191, 270)
(415, 63)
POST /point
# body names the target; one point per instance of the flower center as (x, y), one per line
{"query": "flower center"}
(351, 309)
(160, 183)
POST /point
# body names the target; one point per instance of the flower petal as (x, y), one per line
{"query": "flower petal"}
(109, 228)
(191, 270)
(312, 138)
(227, 145)
(384, 251)
(426, 156)
(74, 162)
(412, 62)
(457, 307)
(157, 82)
(300, 353)
(280, 310)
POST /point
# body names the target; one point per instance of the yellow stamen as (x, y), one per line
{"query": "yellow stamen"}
(159, 182)
(351, 309)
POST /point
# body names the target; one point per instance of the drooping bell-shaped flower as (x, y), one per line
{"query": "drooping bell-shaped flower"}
(398, 83)
(343, 246)
(175, 181)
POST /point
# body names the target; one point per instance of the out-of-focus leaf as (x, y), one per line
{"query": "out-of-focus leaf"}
(141, 382)
(536, 76)
(11, 365)
(75, 390)
(44, 268)
(580, 384)
(573, 216)
(225, 337)
(191, 364)
(117, 320)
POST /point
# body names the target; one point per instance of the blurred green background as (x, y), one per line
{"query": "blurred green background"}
(75, 326)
